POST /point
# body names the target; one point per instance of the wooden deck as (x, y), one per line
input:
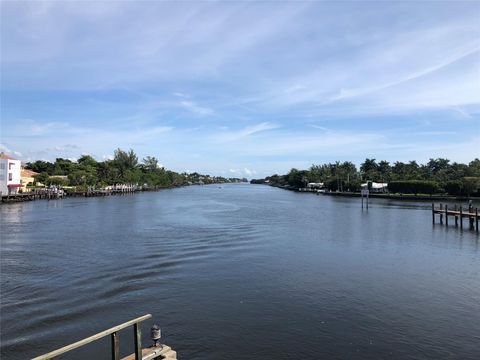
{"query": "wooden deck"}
(458, 214)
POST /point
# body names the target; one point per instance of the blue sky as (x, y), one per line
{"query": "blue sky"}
(241, 88)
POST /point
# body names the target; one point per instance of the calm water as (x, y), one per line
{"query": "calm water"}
(240, 272)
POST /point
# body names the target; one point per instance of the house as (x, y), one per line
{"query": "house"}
(375, 187)
(27, 178)
(9, 174)
(317, 186)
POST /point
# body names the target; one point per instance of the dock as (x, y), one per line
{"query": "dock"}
(33, 195)
(458, 214)
(157, 351)
(52, 194)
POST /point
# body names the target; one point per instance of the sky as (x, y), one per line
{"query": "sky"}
(241, 88)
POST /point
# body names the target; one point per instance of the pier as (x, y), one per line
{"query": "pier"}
(34, 195)
(156, 351)
(56, 193)
(458, 214)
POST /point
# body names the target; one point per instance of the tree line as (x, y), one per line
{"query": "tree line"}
(436, 176)
(124, 168)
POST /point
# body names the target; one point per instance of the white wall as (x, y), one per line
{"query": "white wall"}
(9, 174)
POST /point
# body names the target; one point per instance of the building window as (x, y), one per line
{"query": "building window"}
(10, 166)
(2, 166)
(10, 176)
(2, 177)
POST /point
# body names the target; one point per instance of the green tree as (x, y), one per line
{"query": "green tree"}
(369, 169)
(126, 163)
(41, 178)
(150, 163)
(384, 171)
(63, 166)
(474, 168)
(86, 161)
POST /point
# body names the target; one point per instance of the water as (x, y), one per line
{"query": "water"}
(237, 272)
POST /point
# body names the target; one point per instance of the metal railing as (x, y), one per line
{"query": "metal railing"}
(113, 332)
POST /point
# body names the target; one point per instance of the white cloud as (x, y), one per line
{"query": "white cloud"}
(9, 151)
(245, 172)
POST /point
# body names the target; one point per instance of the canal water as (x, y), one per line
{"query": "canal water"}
(240, 272)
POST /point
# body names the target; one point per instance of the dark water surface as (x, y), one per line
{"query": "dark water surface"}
(240, 272)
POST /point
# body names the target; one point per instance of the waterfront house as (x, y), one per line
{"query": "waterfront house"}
(27, 178)
(316, 186)
(375, 187)
(9, 174)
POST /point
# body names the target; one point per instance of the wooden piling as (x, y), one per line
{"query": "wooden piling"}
(446, 214)
(456, 217)
(433, 213)
(461, 218)
(115, 346)
(137, 333)
(476, 219)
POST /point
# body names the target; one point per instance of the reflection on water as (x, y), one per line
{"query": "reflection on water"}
(237, 271)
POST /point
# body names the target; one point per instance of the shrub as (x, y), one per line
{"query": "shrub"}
(414, 187)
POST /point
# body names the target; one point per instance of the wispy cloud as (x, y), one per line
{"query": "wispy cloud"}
(5, 149)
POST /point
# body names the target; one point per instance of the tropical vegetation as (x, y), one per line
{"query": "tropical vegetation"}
(124, 168)
(436, 176)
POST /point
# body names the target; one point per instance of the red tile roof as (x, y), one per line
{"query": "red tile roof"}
(28, 173)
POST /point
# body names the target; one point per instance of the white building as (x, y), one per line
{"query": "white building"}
(10, 169)
(315, 185)
(376, 187)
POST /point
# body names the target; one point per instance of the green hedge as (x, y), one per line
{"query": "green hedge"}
(414, 187)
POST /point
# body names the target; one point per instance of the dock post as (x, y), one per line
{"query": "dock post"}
(476, 219)
(441, 214)
(433, 213)
(446, 214)
(115, 346)
(461, 218)
(456, 217)
(137, 332)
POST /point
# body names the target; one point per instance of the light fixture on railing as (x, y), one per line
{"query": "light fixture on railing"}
(155, 334)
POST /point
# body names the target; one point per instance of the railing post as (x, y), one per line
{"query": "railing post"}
(115, 346)
(137, 333)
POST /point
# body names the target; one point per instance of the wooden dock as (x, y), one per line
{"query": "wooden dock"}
(153, 352)
(458, 214)
(60, 194)
(33, 195)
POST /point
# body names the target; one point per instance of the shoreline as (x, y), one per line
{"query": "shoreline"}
(406, 197)
(46, 195)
